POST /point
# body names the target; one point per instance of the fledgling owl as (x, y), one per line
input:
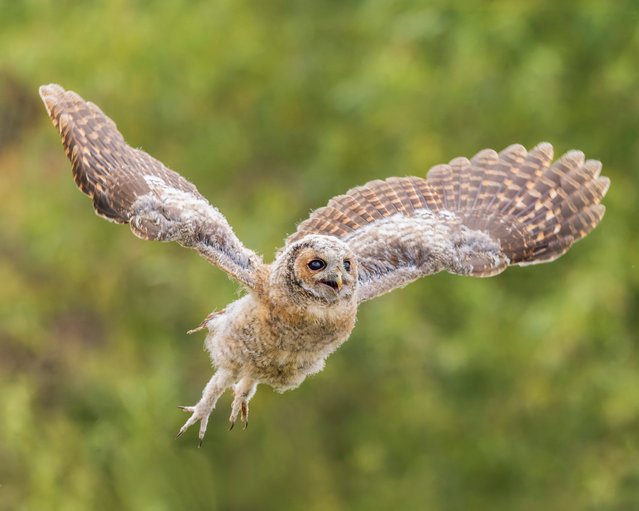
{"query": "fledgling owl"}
(470, 217)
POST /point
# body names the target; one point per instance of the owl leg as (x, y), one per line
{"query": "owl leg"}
(218, 383)
(244, 391)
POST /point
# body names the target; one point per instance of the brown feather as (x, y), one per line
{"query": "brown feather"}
(104, 166)
(533, 209)
(129, 186)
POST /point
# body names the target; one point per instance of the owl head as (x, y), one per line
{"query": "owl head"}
(317, 268)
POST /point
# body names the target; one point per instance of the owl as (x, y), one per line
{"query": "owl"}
(468, 217)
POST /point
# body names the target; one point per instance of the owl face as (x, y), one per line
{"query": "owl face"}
(321, 268)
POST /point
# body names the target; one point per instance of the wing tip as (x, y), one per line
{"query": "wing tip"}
(50, 94)
(604, 185)
(545, 147)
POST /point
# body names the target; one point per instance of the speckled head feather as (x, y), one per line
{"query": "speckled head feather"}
(334, 279)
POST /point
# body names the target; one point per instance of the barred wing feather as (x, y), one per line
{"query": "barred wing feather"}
(469, 217)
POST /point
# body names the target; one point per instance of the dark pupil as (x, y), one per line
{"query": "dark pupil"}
(347, 265)
(316, 264)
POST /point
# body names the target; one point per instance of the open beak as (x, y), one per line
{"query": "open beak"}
(336, 284)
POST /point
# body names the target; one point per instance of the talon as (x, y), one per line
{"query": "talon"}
(196, 415)
(232, 426)
(182, 430)
(244, 414)
(244, 391)
(203, 424)
(220, 381)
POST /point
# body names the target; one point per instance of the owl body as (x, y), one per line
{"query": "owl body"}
(282, 333)
(473, 217)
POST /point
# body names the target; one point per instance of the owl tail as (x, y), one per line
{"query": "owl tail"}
(535, 209)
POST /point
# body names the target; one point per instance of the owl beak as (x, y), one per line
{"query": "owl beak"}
(335, 284)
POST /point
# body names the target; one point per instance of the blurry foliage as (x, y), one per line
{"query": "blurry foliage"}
(518, 392)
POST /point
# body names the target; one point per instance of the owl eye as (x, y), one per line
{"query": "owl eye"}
(347, 265)
(316, 264)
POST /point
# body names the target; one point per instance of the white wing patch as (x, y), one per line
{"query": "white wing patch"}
(183, 204)
(397, 250)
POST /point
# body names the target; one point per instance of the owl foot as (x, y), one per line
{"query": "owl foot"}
(196, 415)
(244, 391)
(220, 381)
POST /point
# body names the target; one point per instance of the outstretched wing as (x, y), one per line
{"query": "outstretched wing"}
(470, 217)
(129, 186)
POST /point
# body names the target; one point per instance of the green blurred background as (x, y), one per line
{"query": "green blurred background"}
(517, 392)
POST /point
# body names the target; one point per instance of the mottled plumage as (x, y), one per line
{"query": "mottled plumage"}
(471, 217)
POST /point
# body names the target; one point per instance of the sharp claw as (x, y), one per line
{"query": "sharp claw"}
(244, 414)
(182, 430)
(199, 444)
(204, 422)
(232, 426)
(192, 420)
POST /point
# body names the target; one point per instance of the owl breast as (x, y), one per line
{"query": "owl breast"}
(278, 346)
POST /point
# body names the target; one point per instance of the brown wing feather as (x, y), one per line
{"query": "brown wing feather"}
(472, 217)
(129, 186)
(104, 166)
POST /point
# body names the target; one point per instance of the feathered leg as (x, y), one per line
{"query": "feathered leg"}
(244, 391)
(216, 386)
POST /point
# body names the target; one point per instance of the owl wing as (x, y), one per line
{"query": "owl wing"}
(129, 186)
(470, 217)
